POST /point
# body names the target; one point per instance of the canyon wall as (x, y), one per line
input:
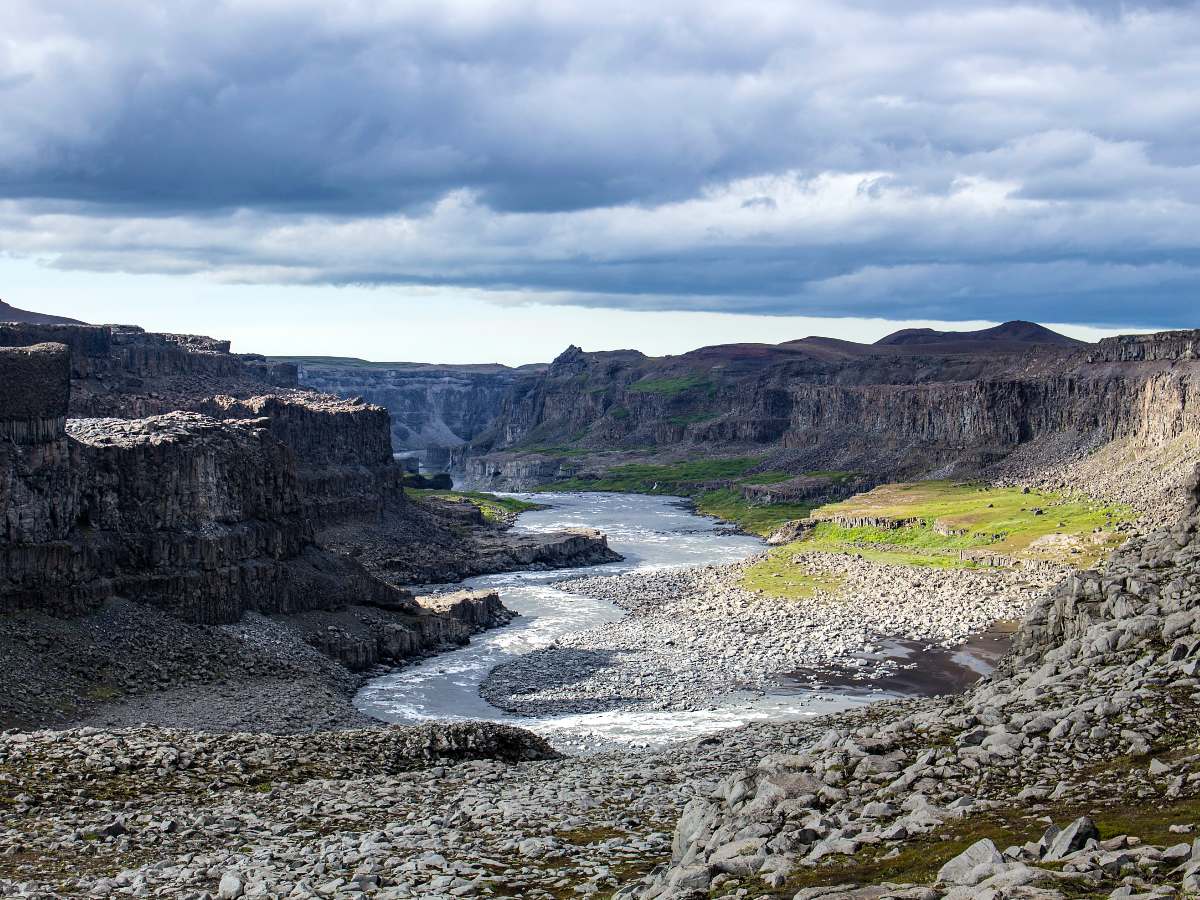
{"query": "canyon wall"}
(200, 517)
(434, 409)
(891, 411)
(123, 371)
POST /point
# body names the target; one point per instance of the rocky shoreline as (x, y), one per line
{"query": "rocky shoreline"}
(693, 636)
(128, 664)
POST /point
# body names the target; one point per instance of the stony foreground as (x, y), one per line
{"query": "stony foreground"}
(1097, 717)
(1073, 773)
(441, 811)
(693, 635)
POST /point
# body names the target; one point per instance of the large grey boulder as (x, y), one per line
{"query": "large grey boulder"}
(973, 865)
(1071, 839)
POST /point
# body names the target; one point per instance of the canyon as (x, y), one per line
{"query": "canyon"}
(163, 475)
(202, 557)
(436, 410)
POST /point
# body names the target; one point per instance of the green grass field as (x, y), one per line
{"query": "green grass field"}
(954, 516)
(943, 519)
(778, 576)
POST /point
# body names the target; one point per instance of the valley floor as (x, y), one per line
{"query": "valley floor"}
(1090, 727)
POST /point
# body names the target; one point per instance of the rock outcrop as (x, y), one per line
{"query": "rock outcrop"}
(122, 371)
(194, 515)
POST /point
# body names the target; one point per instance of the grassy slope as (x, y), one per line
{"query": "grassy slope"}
(978, 517)
(1007, 521)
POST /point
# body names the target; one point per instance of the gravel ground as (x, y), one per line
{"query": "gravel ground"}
(694, 635)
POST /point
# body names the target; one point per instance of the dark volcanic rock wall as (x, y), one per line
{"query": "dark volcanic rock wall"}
(891, 410)
(343, 451)
(433, 408)
(198, 517)
(35, 412)
(123, 371)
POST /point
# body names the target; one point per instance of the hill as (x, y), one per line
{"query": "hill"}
(12, 314)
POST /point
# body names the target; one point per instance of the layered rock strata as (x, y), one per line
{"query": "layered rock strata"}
(889, 411)
(122, 371)
(434, 409)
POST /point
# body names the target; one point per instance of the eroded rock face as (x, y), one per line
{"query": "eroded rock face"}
(434, 409)
(123, 371)
(200, 517)
(34, 392)
(891, 411)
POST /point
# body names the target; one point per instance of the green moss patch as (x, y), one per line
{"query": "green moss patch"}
(778, 576)
(934, 521)
(671, 387)
(729, 505)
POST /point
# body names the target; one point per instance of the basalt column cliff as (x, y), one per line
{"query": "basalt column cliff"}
(151, 488)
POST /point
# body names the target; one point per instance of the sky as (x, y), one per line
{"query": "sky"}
(472, 181)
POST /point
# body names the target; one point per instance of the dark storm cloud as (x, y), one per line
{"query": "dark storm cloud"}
(948, 160)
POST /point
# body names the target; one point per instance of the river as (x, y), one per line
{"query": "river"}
(650, 532)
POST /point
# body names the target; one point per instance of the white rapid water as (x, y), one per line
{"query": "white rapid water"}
(651, 533)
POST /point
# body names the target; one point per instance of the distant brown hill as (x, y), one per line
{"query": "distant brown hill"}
(1010, 333)
(12, 314)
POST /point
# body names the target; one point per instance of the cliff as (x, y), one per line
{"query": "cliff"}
(434, 409)
(200, 517)
(917, 405)
(125, 372)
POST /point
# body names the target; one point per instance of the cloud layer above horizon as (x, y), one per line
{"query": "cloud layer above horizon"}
(948, 160)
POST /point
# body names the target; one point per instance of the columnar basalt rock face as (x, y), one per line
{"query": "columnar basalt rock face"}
(123, 371)
(200, 517)
(1162, 345)
(320, 430)
(34, 392)
(342, 448)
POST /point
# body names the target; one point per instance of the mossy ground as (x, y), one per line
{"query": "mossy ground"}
(945, 523)
(778, 576)
(954, 516)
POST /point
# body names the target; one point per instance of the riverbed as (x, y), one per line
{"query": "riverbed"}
(652, 533)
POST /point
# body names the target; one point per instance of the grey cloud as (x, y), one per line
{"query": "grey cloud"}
(576, 151)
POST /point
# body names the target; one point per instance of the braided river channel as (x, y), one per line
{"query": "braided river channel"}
(651, 532)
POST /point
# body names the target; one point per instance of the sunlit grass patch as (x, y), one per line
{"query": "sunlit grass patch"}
(729, 505)
(942, 518)
(494, 508)
(777, 576)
